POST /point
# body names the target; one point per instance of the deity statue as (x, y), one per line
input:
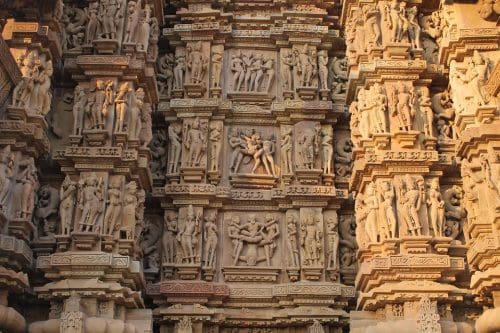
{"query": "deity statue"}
(361, 108)
(92, 23)
(286, 150)
(333, 241)
(291, 241)
(233, 231)
(217, 55)
(211, 239)
(79, 103)
(122, 105)
(23, 197)
(268, 68)
(436, 208)
(144, 29)
(372, 224)
(134, 114)
(311, 240)
(175, 147)
(308, 149)
(412, 194)
(215, 139)
(425, 106)
(237, 67)
(146, 132)
(67, 204)
(187, 236)
(194, 141)
(90, 202)
(97, 106)
(196, 62)
(387, 200)
(114, 207)
(402, 107)
(169, 237)
(371, 27)
(304, 65)
(414, 29)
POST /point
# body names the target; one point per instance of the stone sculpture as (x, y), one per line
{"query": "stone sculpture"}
(23, 196)
(90, 199)
(306, 65)
(217, 56)
(121, 106)
(110, 14)
(343, 157)
(286, 150)
(158, 149)
(402, 107)
(411, 197)
(165, 76)
(337, 73)
(387, 200)
(287, 65)
(327, 150)
(134, 114)
(332, 241)
(169, 237)
(67, 205)
(308, 147)
(179, 69)
(6, 173)
(92, 23)
(187, 236)
(133, 15)
(425, 106)
(436, 208)
(46, 211)
(175, 146)
(311, 241)
(113, 207)
(211, 239)
(79, 105)
(291, 240)
(323, 69)
(371, 16)
(128, 214)
(195, 142)
(215, 139)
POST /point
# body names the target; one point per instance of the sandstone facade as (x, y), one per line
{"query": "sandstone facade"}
(249, 166)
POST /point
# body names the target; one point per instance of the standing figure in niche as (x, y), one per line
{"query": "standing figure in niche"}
(92, 14)
(372, 207)
(110, 18)
(122, 104)
(215, 147)
(211, 240)
(168, 238)
(287, 62)
(425, 105)
(129, 215)
(257, 72)
(179, 69)
(323, 69)
(114, 207)
(79, 102)
(268, 66)
(286, 150)
(305, 66)
(411, 201)
(133, 11)
(196, 63)
(436, 208)
(333, 241)
(134, 114)
(387, 198)
(247, 59)
(403, 102)
(379, 104)
(175, 147)
(311, 238)
(237, 67)
(67, 204)
(306, 151)
(327, 150)
(233, 231)
(272, 232)
(216, 66)
(265, 154)
(414, 29)
(28, 183)
(90, 203)
(372, 28)
(6, 173)
(98, 107)
(291, 241)
(144, 29)
(195, 143)
(188, 236)
(238, 145)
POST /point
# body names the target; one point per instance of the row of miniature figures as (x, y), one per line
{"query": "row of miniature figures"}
(107, 24)
(302, 69)
(193, 237)
(109, 113)
(305, 150)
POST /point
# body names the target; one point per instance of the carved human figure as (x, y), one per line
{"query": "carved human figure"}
(169, 237)
(371, 26)
(471, 191)
(403, 102)
(144, 29)
(395, 22)
(304, 66)
(256, 72)
(444, 111)
(286, 150)
(179, 69)
(387, 200)
(121, 106)
(133, 15)
(268, 67)
(338, 75)
(27, 184)
(113, 207)
(158, 148)
(146, 132)
(379, 104)
(41, 95)
(217, 54)
(187, 236)
(211, 239)
(247, 61)
(134, 114)
(98, 106)
(291, 241)
(233, 231)
(425, 106)
(238, 69)
(237, 143)
(79, 102)
(307, 149)
(92, 23)
(110, 17)
(411, 198)
(265, 154)
(6, 173)
(215, 139)
(311, 241)
(327, 150)
(436, 208)
(67, 205)
(196, 62)
(29, 64)
(45, 213)
(333, 241)
(414, 29)
(174, 148)
(89, 202)
(129, 214)
(343, 157)
(194, 141)
(270, 232)
(362, 109)
(323, 69)
(371, 202)
(165, 75)
(287, 64)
